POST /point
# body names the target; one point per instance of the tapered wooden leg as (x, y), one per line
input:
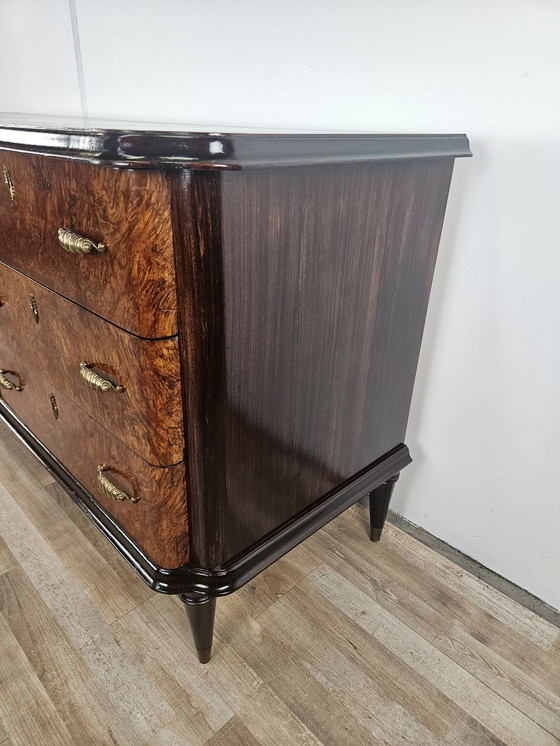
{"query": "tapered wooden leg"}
(201, 611)
(378, 506)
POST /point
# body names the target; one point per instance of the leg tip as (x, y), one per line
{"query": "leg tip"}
(375, 534)
(204, 655)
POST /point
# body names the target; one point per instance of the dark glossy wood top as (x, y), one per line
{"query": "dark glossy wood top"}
(150, 145)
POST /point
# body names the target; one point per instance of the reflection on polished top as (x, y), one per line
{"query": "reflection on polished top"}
(166, 145)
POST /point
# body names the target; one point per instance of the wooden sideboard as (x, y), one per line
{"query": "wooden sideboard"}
(210, 339)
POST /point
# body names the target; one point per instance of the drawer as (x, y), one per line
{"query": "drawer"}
(132, 282)
(54, 336)
(157, 522)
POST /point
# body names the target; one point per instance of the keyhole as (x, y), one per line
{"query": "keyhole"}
(54, 406)
(34, 309)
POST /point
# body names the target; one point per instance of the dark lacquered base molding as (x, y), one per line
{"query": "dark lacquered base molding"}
(235, 573)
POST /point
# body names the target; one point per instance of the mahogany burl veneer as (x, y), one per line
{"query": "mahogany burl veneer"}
(211, 339)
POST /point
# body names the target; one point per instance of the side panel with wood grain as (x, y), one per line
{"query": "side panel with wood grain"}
(309, 287)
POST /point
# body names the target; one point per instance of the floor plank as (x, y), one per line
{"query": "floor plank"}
(442, 620)
(433, 604)
(228, 683)
(51, 655)
(136, 698)
(234, 733)
(436, 668)
(488, 599)
(23, 692)
(7, 560)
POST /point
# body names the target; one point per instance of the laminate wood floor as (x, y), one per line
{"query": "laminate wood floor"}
(341, 642)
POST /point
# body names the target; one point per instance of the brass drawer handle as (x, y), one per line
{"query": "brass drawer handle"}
(76, 244)
(96, 381)
(111, 489)
(7, 384)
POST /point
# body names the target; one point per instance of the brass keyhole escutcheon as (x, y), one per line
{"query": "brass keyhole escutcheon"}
(54, 406)
(8, 181)
(34, 309)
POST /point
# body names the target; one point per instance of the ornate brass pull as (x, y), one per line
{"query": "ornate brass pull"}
(8, 181)
(76, 244)
(96, 381)
(111, 489)
(7, 384)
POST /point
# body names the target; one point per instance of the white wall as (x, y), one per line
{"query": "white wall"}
(485, 424)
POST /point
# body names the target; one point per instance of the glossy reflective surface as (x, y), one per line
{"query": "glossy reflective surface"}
(148, 145)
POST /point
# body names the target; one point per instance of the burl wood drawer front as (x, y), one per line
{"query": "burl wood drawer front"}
(131, 283)
(157, 522)
(54, 336)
